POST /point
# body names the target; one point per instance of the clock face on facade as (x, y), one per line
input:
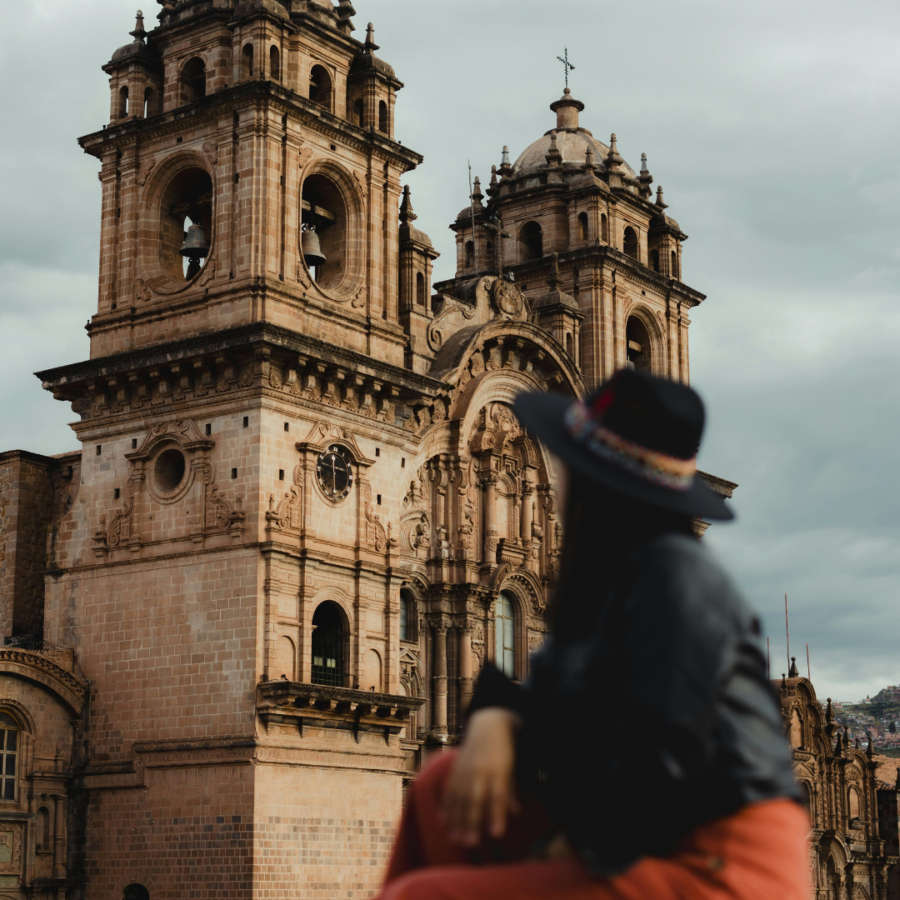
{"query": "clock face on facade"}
(335, 473)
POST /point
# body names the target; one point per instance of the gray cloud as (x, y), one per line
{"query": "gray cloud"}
(774, 129)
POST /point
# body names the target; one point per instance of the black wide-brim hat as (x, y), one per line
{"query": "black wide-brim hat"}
(636, 434)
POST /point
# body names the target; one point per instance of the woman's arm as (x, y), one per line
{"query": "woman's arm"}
(481, 789)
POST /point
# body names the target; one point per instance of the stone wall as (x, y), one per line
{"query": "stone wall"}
(27, 502)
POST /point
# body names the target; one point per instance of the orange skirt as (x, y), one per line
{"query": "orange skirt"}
(759, 853)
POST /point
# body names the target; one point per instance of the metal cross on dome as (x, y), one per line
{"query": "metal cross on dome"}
(568, 66)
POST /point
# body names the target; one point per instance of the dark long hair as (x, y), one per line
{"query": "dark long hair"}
(601, 529)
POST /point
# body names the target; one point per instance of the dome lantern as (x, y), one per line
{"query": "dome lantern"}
(567, 109)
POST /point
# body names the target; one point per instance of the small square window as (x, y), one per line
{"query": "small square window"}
(378, 451)
(234, 473)
(281, 474)
(99, 449)
(208, 429)
(117, 494)
(403, 463)
(246, 421)
(379, 499)
(134, 443)
(287, 426)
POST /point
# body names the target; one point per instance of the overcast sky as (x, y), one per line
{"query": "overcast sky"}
(774, 127)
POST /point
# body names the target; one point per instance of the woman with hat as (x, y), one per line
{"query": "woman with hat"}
(644, 757)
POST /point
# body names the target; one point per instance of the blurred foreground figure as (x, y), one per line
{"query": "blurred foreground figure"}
(644, 757)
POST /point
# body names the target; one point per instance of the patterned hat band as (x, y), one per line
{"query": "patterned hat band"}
(651, 465)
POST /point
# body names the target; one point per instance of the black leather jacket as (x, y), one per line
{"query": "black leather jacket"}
(656, 718)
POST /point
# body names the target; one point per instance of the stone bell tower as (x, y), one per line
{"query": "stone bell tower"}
(227, 575)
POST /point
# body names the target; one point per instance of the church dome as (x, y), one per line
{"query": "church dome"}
(572, 145)
(572, 142)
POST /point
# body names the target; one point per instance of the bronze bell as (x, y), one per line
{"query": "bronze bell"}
(312, 250)
(195, 245)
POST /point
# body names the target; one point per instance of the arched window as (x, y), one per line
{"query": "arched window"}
(9, 756)
(358, 112)
(569, 343)
(42, 830)
(583, 232)
(136, 892)
(149, 103)
(654, 260)
(673, 269)
(421, 297)
(470, 254)
(274, 64)
(531, 238)
(604, 229)
(328, 646)
(383, 117)
(193, 80)
(505, 627)
(320, 86)
(407, 615)
(123, 102)
(247, 61)
(630, 243)
(638, 339)
(853, 806)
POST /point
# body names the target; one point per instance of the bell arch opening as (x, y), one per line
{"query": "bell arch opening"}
(136, 892)
(123, 102)
(193, 80)
(320, 86)
(638, 340)
(383, 117)
(583, 230)
(274, 63)
(630, 243)
(421, 296)
(186, 224)
(531, 240)
(358, 113)
(324, 240)
(604, 229)
(247, 61)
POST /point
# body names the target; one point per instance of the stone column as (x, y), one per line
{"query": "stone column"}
(440, 678)
(527, 512)
(59, 837)
(489, 481)
(466, 669)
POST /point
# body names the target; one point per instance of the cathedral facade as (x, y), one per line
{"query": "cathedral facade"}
(853, 848)
(303, 514)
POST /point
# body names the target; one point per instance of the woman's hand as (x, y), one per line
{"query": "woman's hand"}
(481, 791)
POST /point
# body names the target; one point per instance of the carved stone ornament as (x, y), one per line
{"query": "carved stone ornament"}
(304, 154)
(10, 848)
(507, 299)
(146, 168)
(141, 291)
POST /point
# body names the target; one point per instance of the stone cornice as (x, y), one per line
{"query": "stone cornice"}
(63, 377)
(720, 485)
(245, 94)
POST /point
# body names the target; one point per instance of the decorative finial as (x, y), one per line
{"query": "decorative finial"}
(837, 745)
(554, 157)
(406, 208)
(493, 185)
(371, 46)
(505, 167)
(646, 179)
(139, 33)
(792, 672)
(346, 10)
(846, 741)
(568, 67)
(870, 749)
(589, 164)
(829, 712)
(554, 279)
(857, 742)
(477, 195)
(613, 160)
(783, 682)
(659, 199)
